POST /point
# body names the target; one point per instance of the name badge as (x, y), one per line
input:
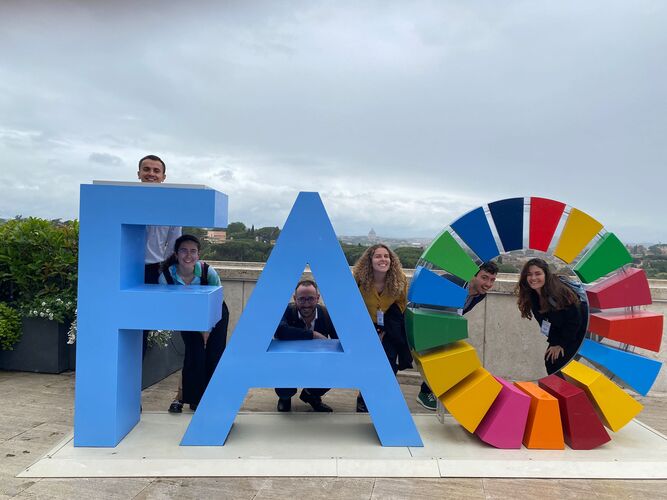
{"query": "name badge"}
(544, 329)
(380, 318)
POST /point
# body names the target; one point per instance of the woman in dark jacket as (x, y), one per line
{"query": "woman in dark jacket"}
(203, 350)
(557, 309)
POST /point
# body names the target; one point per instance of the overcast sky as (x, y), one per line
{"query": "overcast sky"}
(403, 115)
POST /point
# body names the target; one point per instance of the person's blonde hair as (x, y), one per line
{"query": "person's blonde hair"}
(395, 280)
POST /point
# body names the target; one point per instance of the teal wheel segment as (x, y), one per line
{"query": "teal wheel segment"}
(635, 370)
(474, 230)
(508, 218)
(427, 288)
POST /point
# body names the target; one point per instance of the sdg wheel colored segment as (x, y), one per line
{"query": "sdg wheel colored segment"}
(555, 411)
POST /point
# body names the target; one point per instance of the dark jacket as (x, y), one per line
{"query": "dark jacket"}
(566, 324)
(292, 327)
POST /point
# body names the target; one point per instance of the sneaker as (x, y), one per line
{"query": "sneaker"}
(427, 400)
(176, 406)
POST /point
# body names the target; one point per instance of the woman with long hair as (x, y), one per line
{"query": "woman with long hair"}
(543, 295)
(383, 286)
(202, 349)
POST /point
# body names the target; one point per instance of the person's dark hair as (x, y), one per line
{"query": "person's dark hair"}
(177, 244)
(489, 267)
(154, 158)
(305, 282)
(555, 294)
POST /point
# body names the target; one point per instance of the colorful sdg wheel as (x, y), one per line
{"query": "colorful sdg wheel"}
(574, 409)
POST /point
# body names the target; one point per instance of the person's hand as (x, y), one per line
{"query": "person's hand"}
(318, 335)
(204, 335)
(553, 353)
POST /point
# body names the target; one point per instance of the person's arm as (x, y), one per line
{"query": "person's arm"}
(324, 324)
(287, 332)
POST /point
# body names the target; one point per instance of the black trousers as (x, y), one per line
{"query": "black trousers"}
(288, 393)
(200, 361)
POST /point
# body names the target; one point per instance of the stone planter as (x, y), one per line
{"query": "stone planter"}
(43, 348)
(160, 362)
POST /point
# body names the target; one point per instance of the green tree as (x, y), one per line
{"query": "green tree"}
(235, 228)
(409, 256)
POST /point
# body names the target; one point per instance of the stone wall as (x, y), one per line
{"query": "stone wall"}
(508, 345)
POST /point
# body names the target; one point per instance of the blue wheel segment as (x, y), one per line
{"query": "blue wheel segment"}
(427, 288)
(508, 217)
(474, 229)
(635, 370)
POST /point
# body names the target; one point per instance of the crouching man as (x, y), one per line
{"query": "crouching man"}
(305, 319)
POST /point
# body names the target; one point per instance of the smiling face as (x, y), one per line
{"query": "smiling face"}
(306, 298)
(151, 171)
(187, 256)
(481, 283)
(381, 260)
(535, 278)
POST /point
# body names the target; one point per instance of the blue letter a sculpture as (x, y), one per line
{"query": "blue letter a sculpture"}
(253, 359)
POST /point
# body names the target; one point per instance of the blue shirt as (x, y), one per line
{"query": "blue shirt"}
(213, 278)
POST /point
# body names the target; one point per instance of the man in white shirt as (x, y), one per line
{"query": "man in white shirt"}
(159, 239)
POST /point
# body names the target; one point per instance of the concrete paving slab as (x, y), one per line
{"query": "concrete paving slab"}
(345, 445)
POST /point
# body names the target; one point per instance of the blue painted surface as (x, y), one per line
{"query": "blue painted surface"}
(635, 370)
(253, 359)
(508, 218)
(474, 229)
(427, 288)
(114, 305)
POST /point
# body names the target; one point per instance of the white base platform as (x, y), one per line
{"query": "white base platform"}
(345, 445)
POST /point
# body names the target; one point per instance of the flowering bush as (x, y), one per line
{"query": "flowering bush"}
(38, 270)
(55, 309)
(159, 338)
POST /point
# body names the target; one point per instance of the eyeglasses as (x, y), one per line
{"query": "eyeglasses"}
(306, 300)
(184, 251)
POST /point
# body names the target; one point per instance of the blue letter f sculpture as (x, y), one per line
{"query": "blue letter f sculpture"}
(114, 305)
(253, 359)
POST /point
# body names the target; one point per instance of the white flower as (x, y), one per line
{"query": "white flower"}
(41, 315)
(48, 310)
(43, 303)
(51, 317)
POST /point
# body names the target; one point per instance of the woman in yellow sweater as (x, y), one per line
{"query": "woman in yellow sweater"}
(383, 286)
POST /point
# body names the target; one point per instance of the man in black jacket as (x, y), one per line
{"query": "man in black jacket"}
(305, 319)
(478, 287)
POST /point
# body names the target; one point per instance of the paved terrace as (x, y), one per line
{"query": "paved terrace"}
(38, 413)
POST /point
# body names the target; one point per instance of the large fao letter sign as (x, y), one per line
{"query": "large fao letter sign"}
(114, 306)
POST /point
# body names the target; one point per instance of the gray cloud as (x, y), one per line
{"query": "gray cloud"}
(402, 116)
(105, 159)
